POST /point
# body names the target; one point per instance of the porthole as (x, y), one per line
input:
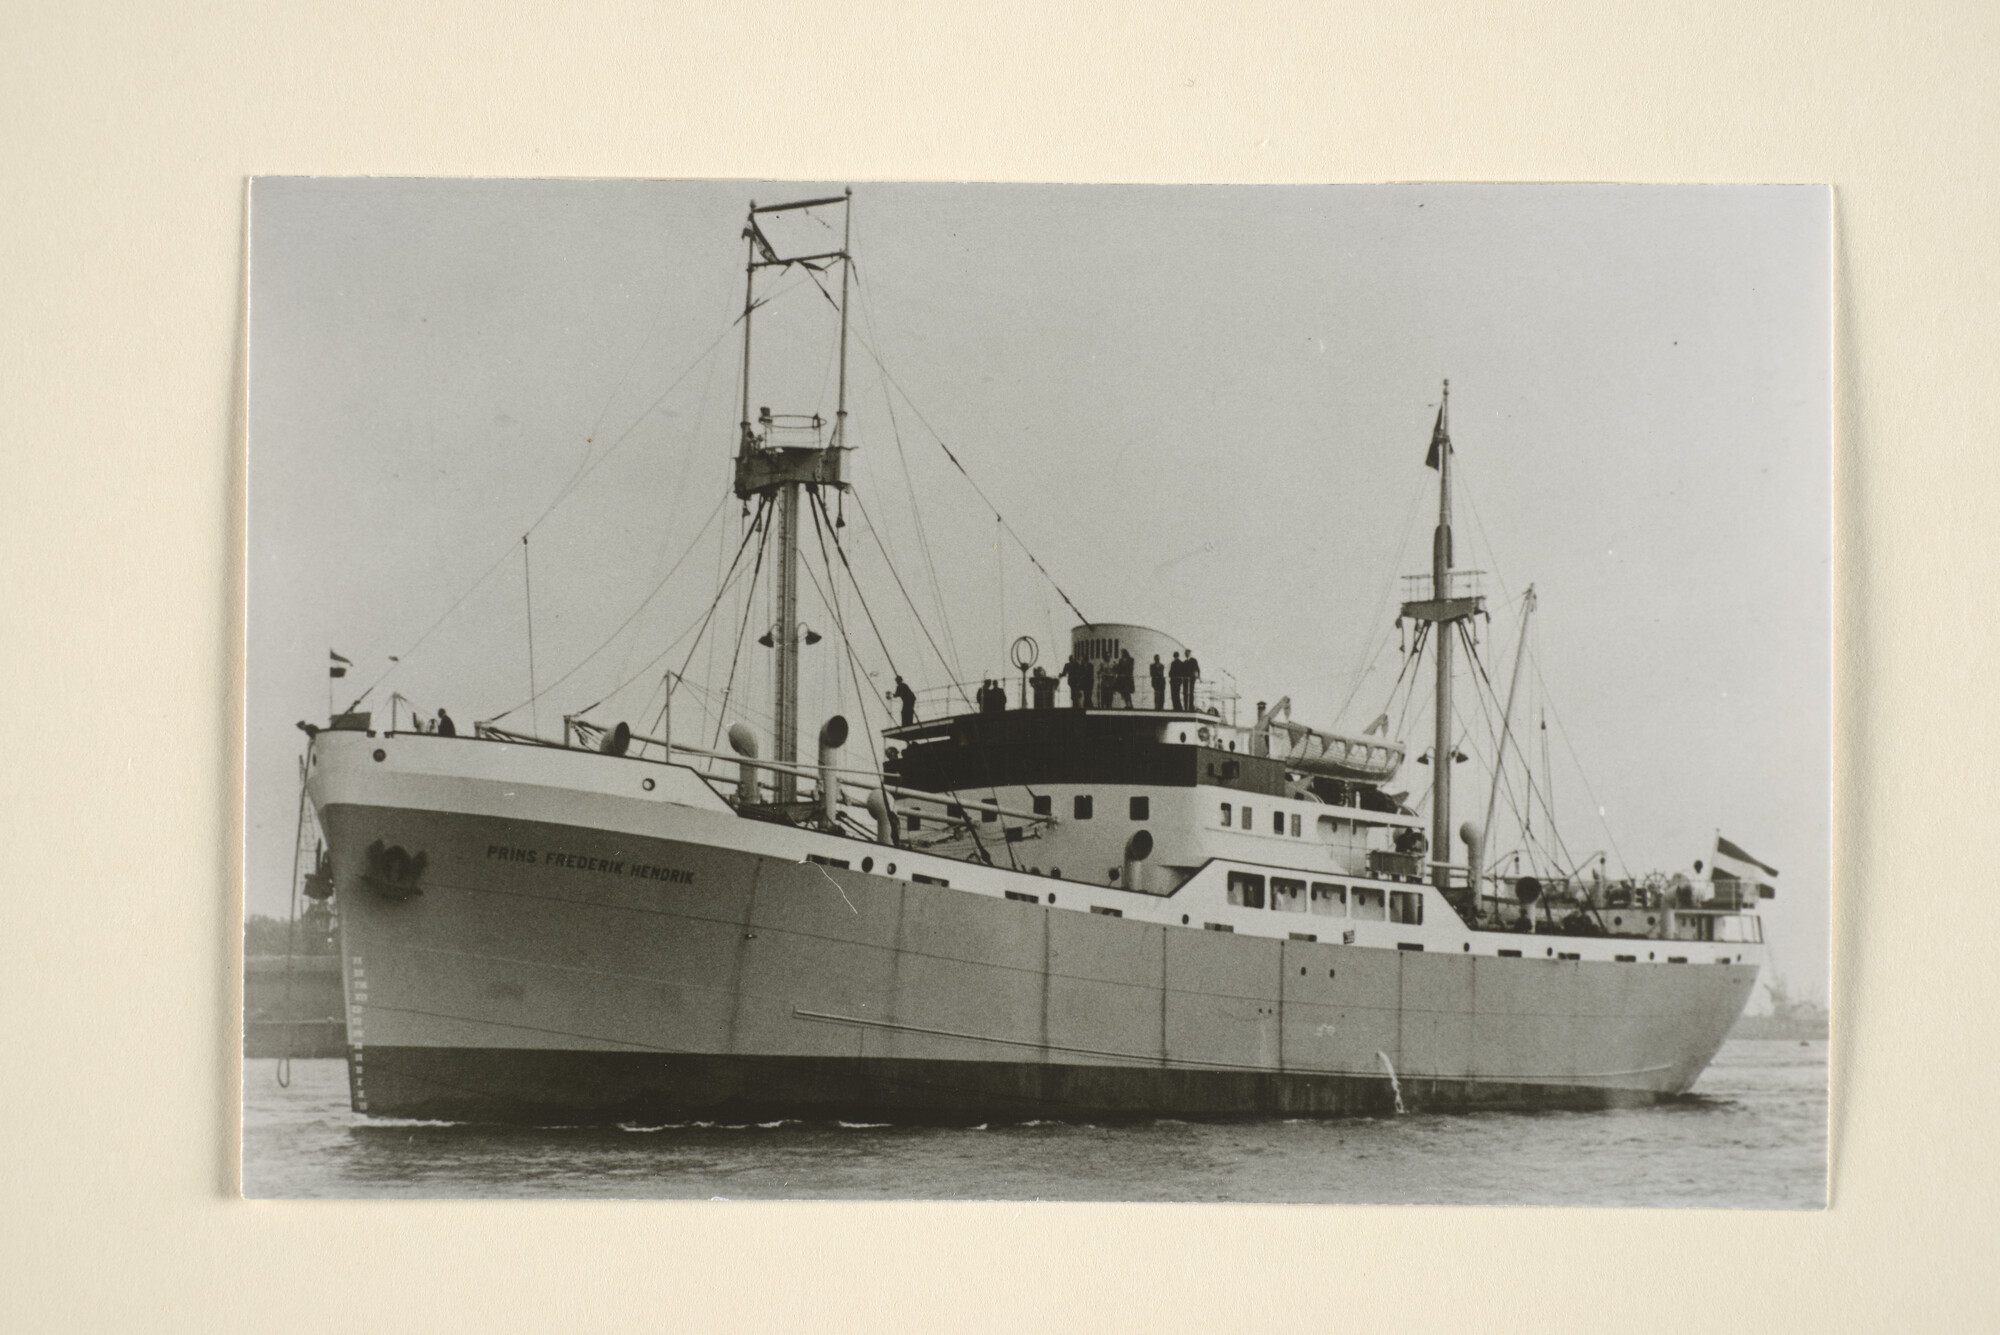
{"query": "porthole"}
(647, 784)
(380, 754)
(890, 869)
(1617, 922)
(868, 864)
(1329, 973)
(1184, 919)
(1468, 947)
(1052, 898)
(1302, 971)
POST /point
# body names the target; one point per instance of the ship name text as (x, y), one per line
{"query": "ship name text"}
(554, 857)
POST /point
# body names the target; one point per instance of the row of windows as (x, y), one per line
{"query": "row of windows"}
(1278, 821)
(1082, 807)
(1247, 889)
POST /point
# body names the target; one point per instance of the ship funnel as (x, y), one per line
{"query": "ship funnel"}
(617, 741)
(1475, 858)
(1137, 849)
(744, 743)
(832, 736)
(885, 820)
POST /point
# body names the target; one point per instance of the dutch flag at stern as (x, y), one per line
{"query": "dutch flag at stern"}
(1731, 863)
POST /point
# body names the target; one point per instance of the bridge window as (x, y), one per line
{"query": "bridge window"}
(988, 815)
(1295, 825)
(1043, 805)
(1140, 808)
(1247, 889)
(1277, 822)
(1367, 903)
(1406, 906)
(1246, 818)
(1082, 806)
(1228, 814)
(913, 821)
(1288, 896)
(1329, 901)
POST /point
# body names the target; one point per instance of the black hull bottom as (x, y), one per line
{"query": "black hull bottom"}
(566, 1088)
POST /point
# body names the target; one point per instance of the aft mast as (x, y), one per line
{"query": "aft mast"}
(771, 465)
(1443, 610)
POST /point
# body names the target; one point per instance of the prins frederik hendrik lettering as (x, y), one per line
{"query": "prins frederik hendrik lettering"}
(551, 857)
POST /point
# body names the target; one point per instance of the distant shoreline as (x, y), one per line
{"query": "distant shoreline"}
(1773, 1026)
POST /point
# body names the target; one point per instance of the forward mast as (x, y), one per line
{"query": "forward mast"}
(778, 455)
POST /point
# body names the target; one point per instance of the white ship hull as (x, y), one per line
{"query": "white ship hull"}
(588, 938)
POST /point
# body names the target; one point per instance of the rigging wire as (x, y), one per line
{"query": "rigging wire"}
(1416, 657)
(950, 673)
(749, 604)
(626, 434)
(533, 694)
(846, 643)
(1548, 703)
(590, 436)
(567, 490)
(701, 626)
(643, 604)
(1363, 665)
(819, 512)
(890, 377)
(1489, 703)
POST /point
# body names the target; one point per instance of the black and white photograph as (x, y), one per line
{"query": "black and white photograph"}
(912, 691)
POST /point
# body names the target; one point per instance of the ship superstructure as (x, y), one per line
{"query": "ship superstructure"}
(1048, 902)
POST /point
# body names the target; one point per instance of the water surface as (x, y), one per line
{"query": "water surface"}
(1752, 1133)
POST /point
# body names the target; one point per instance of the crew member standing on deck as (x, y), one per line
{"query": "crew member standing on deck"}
(1044, 688)
(1193, 670)
(1177, 677)
(1159, 684)
(909, 699)
(445, 727)
(1125, 674)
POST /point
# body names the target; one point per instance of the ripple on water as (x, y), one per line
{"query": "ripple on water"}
(1752, 1134)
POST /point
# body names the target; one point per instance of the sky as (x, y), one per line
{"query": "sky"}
(1202, 409)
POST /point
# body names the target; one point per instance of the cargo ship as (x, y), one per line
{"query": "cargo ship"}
(1056, 903)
